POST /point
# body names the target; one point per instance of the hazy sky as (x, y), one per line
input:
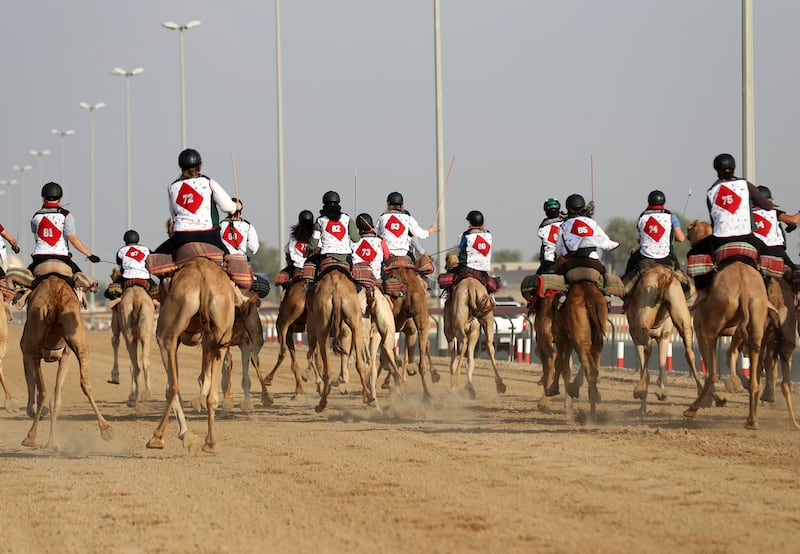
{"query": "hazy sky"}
(651, 90)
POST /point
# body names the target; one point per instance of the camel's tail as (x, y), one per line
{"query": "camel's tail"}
(744, 328)
(483, 305)
(336, 323)
(596, 322)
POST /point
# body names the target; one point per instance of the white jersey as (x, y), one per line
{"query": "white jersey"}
(479, 250)
(195, 204)
(396, 228)
(239, 236)
(133, 259)
(370, 250)
(334, 236)
(655, 234)
(768, 227)
(582, 232)
(548, 232)
(296, 249)
(730, 211)
(48, 226)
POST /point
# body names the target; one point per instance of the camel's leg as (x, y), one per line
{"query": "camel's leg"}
(227, 371)
(283, 341)
(663, 344)
(488, 330)
(473, 334)
(33, 374)
(326, 376)
(114, 379)
(79, 344)
(168, 345)
(734, 382)
(145, 393)
(786, 386)
(644, 345)
(55, 401)
(131, 346)
(754, 390)
(708, 351)
(246, 383)
(212, 360)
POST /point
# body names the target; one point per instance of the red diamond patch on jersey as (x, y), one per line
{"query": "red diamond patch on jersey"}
(395, 226)
(366, 252)
(337, 229)
(188, 198)
(727, 199)
(653, 229)
(581, 229)
(552, 236)
(232, 235)
(48, 232)
(481, 246)
(301, 247)
(763, 226)
(135, 254)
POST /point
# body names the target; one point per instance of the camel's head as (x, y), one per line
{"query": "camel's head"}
(450, 261)
(698, 230)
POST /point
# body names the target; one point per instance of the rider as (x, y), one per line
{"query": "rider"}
(14, 246)
(548, 232)
(730, 201)
(580, 236)
(769, 230)
(297, 246)
(370, 249)
(238, 234)
(51, 225)
(194, 204)
(655, 243)
(475, 249)
(399, 228)
(334, 232)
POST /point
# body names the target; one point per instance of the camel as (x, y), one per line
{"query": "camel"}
(248, 335)
(580, 325)
(54, 323)
(413, 306)
(201, 302)
(333, 303)
(543, 309)
(115, 333)
(736, 302)
(10, 403)
(468, 309)
(655, 307)
(292, 317)
(135, 315)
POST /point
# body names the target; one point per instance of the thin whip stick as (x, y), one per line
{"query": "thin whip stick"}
(235, 180)
(444, 188)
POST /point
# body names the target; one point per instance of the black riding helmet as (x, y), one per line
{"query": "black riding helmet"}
(724, 163)
(364, 222)
(394, 199)
(330, 197)
(656, 198)
(765, 191)
(475, 218)
(130, 237)
(52, 191)
(306, 216)
(575, 203)
(189, 158)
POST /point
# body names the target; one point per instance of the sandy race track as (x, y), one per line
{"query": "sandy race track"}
(494, 474)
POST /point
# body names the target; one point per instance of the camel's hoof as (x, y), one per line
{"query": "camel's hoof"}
(752, 425)
(720, 402)
(543, 404)
(11, 405)
(197, 405)
(268, 381)
(574, 390)
(107, 434)
(155, 443)
(661, 396)
(148, 395)
(29, 442)
(733, 384)
(227, 404)
(131, 402)
(319, 408)
(211, 448)
(266, 400)
(639, 393)
(112, 382)
(247, 406)
(191, 442)
(471, 391)
(552, 391)
(386, 385)
(435, 377)
(768, 396)
(412, 371)
(691, 413)
(501, 387)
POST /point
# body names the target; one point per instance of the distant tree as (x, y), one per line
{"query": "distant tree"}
(624, 232)
(267, 261)
(504, 256)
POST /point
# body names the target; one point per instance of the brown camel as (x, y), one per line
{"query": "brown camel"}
(54, 323)
(413, 306)
(201, 301)
(10, 404)
(736, 302)
(248, 335)
(116, 332)
(468, 309)
(292, 317)
(543, 309)
(580, 325)
(333, 303)
(135, 317)
(656, 306)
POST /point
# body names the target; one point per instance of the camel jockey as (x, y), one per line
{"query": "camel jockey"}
(53, 229)
(657, 227)
(730, 201)
(238, 235)
(14, 246)
(548, 232)
(334, 232)
(296, 248)
(768, 228)
(579, 237)
(195, 202)
(475, 251)
(399, 228)
(370, 248)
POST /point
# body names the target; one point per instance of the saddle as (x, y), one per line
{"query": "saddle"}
(24, 281)
(549, 284)
(737, 251)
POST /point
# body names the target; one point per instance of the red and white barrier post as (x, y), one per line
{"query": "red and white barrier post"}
(620, 354)
(669, 356)
(746, 366)
(528, 350)
(298, 337)
(519, 351)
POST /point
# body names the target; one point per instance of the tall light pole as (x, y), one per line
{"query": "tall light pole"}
(8, 183)
(748, 102)
(181, 28)
(39, 154)
(24, 232)
(63, 134)
(92, 108)
(279, 98)
(127, 74)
